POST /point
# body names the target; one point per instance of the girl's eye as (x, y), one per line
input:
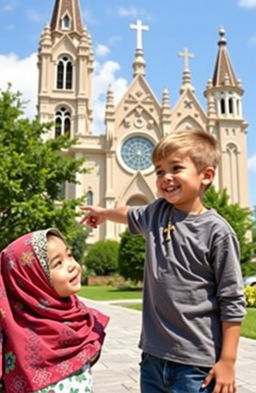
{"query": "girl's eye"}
(57, 264)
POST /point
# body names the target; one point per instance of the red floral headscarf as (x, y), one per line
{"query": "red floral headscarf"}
(43, 338)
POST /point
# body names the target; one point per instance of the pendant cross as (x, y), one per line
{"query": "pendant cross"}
(168, 231)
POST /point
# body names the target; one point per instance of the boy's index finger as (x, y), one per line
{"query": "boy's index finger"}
(86, 207)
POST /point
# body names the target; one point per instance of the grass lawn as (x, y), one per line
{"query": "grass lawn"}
(248, 328)
(110, 293)
(249, 324)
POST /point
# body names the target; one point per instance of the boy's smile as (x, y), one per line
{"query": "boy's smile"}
(180, 183)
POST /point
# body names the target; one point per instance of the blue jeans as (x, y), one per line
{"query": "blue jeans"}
(163, 376)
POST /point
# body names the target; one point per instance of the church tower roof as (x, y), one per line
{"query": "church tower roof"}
(65, 12)
(224, 74)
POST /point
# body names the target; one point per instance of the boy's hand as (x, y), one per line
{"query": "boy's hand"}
(224, 374)
(94, 216)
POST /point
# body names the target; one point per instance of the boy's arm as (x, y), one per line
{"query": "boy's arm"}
(224, 370)
(97, 215)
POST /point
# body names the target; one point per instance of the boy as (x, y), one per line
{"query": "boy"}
(193, 301)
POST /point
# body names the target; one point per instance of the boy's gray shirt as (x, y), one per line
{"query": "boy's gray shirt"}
(192, 282)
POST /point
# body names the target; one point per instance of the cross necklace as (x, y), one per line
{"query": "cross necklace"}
(170, 228)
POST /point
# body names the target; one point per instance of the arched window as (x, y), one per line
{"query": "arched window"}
(233, 171)
(230, 105)
(66, 23)
(65, 73)
(222, 106)
(62, 122)
(89, 198)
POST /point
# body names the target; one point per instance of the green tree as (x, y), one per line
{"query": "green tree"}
(102, 257)
(32, 173)
(131, 256)
(240, 218)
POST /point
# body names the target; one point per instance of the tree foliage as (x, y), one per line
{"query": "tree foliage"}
(32, 173)
(102, 257)
(240, 218)
(131, 256)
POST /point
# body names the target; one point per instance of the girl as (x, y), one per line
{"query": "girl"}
(49, 339)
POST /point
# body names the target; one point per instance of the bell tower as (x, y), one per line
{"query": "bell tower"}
(65, 61)
(225, 121)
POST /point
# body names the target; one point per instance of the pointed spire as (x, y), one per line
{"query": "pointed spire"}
(45, 39)
(186, 77)
(165, 112)
(224, 74)
(66, 16)
(110, 99)
(165, 100)
(139, 62)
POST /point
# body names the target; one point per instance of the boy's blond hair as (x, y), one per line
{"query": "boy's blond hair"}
(200, 146)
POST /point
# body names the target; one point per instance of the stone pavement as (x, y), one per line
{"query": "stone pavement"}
(117, 371)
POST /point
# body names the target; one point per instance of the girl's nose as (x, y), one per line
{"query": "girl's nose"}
(72, 264)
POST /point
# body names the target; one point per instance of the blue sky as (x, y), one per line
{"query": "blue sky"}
(173, 25)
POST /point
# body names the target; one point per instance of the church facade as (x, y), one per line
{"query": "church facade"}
(119, 161)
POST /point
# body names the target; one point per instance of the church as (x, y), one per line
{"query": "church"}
(119, 161)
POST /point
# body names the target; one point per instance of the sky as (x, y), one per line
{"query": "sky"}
(173, 26)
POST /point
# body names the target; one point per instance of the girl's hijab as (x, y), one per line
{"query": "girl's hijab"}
(43, 338)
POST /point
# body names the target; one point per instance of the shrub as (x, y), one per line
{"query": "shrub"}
(248, 269)
(102, 257)
(250, 295)
(131, 256)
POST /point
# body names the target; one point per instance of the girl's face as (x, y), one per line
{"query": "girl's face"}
(65, 272)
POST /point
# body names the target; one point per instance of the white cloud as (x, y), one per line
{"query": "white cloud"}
(132, 13)
(247, 3)
(34, 16)
(101, 50)
(9, 6)
(104, 76)
(88, 17)
(23, 75)
(252, 163)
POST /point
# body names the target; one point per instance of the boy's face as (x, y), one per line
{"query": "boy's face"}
(180, 183)
(65, 272)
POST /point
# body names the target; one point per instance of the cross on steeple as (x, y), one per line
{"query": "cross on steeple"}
(140, 28)
(186, 55)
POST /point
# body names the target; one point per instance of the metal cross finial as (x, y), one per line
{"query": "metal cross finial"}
(186, 55)
(140, 28)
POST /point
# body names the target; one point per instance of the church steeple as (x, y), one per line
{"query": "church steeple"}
(224, 74)
(65, 62)
(224, 86)
(226, 123)
(66, 16)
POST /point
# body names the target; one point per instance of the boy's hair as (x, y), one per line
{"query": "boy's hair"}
(201, 147)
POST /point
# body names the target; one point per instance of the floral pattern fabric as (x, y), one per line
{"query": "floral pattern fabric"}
(43, 338)
(79, 382)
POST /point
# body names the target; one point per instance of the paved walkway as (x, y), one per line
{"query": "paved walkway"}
(117, 370)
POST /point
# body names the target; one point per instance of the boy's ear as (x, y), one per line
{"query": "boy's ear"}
(208, 175)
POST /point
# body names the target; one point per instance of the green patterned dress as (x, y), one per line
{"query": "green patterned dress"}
(79, 382)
